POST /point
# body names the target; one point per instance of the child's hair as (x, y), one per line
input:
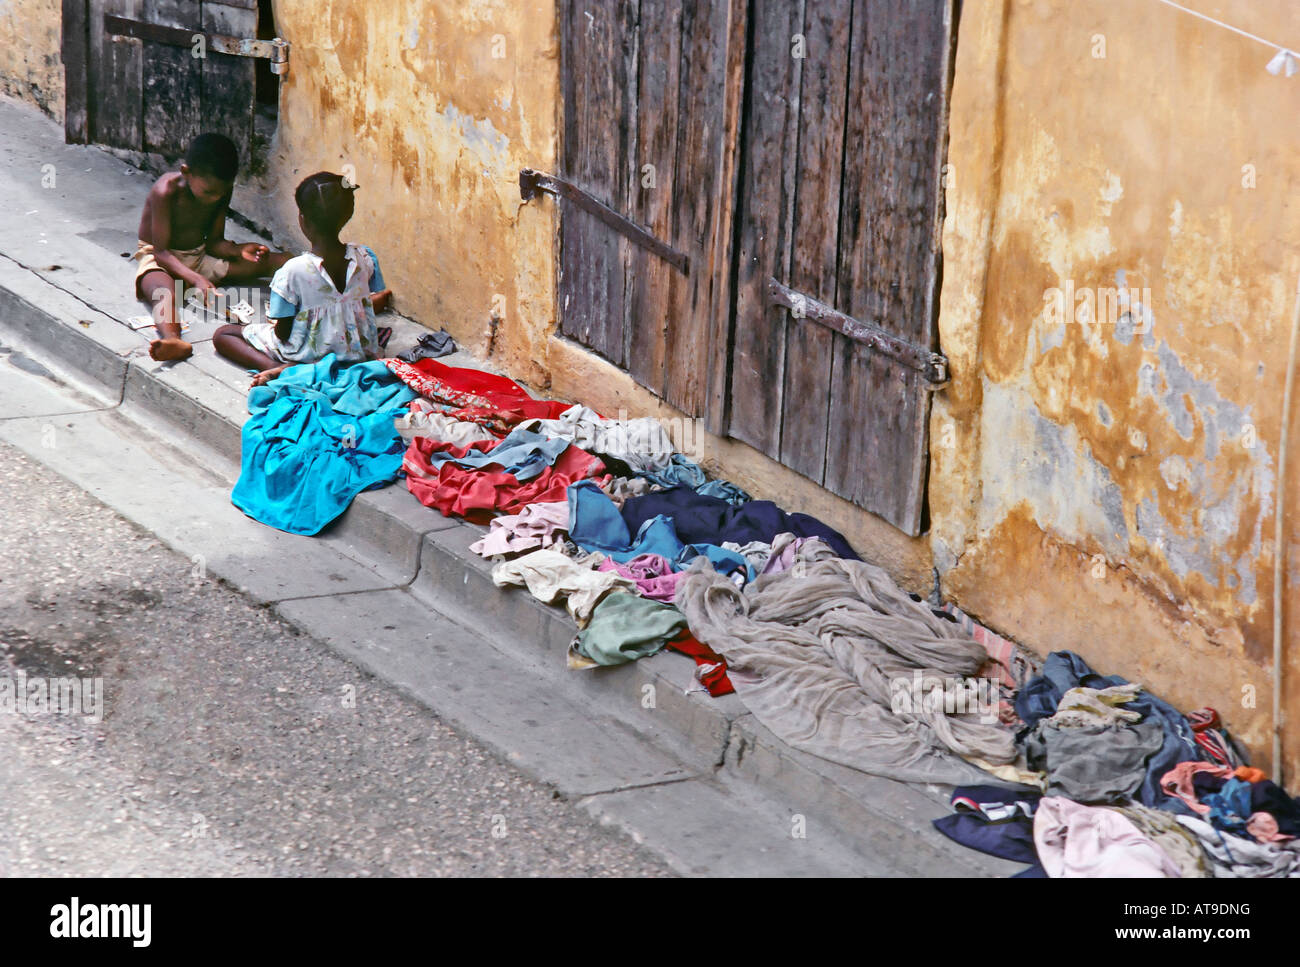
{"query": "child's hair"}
(325, 200)
(214, 155)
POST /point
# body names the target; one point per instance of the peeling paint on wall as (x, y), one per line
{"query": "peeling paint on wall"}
(1150, 439)
(31, 60)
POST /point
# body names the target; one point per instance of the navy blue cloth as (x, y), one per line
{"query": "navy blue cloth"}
(701, 519)
(1011, 838)
(1064, 670)
(595, 525)
(1268, 797)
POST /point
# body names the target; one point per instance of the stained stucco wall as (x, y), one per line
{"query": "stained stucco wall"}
(436, 104)
(1111, 488)
(31, 66)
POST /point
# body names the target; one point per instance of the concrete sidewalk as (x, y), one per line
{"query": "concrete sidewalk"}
(696, 779)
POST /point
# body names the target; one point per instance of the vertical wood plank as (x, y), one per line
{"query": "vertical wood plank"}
(228, 89)
(767, 180)
(696, 198)
(898, 83)
(76, 67)
(815, 238)
(654, 287)
(173, 79)
(723, 227)
(116, 79)
(598, 40)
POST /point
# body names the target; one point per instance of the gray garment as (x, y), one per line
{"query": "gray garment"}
(1093, 763)
(430, 346)
(1235, 857)
(818, 653)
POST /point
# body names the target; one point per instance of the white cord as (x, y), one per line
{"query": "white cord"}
(1220, 23)
(1279, 547)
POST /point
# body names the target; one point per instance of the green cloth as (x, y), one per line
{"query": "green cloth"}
(625, 627)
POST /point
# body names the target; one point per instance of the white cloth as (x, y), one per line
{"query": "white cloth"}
(643, 444)
(423, 418)
(1238, 857)
(550, 575)
(1076, 841)
(537, 525)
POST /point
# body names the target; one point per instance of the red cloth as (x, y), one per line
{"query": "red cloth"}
(712, 672)
(492, 401)
(479, 494)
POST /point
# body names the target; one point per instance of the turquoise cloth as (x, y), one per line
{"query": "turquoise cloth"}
(625, 627)
(319, 435)
(685, 472)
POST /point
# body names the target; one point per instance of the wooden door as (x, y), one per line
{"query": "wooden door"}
(846, 108)
(651, 108)
(795, 149)
(141, 75)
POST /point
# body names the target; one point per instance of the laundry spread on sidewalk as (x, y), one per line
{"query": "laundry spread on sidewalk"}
(647, 553)
(317, 436)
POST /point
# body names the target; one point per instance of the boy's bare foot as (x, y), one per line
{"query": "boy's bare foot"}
(380, 300)
(164, 350)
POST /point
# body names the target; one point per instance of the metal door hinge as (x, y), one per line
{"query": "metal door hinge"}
(276, 51)
(933, 366)
(532, 181)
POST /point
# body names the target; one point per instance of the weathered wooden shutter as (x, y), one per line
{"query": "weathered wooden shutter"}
(840, 202)
(650, 131)
(134, 82)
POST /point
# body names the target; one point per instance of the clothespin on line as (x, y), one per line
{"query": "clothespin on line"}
(1284, 62)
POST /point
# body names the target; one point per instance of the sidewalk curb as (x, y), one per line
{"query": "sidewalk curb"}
(429, 555)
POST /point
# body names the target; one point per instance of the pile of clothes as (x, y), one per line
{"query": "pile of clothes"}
(1127, 786)
(646, 553)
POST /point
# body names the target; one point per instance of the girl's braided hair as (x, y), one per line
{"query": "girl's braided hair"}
(325, 200)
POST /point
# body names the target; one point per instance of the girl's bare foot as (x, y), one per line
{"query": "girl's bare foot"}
(168, 349)
(380, 300)
(266, 375)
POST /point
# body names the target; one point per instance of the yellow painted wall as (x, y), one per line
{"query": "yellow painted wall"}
(436, 104)
(1111, 488)
(31, 63)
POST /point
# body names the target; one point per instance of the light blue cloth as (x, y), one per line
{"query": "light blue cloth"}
(319, 435)
(596, 525)
(1230, 806)
(684, 472)
(523, 453)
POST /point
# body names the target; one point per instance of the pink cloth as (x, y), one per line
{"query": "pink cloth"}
(653, 574)
(534, 526)
(1263, 826)
(782, 558)
(1083, 841)
(1178, 782)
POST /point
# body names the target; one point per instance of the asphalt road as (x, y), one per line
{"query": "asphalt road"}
(227, 743)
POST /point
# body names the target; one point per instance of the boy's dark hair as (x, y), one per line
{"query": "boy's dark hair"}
(325, 200)
(214, 155)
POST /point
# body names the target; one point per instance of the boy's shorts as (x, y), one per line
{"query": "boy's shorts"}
(210, 267)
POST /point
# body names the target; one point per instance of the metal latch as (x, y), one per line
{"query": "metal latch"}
(933, 366)
(532, 181)
(276, 51)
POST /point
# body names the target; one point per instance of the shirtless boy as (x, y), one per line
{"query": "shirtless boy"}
(183, 239)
